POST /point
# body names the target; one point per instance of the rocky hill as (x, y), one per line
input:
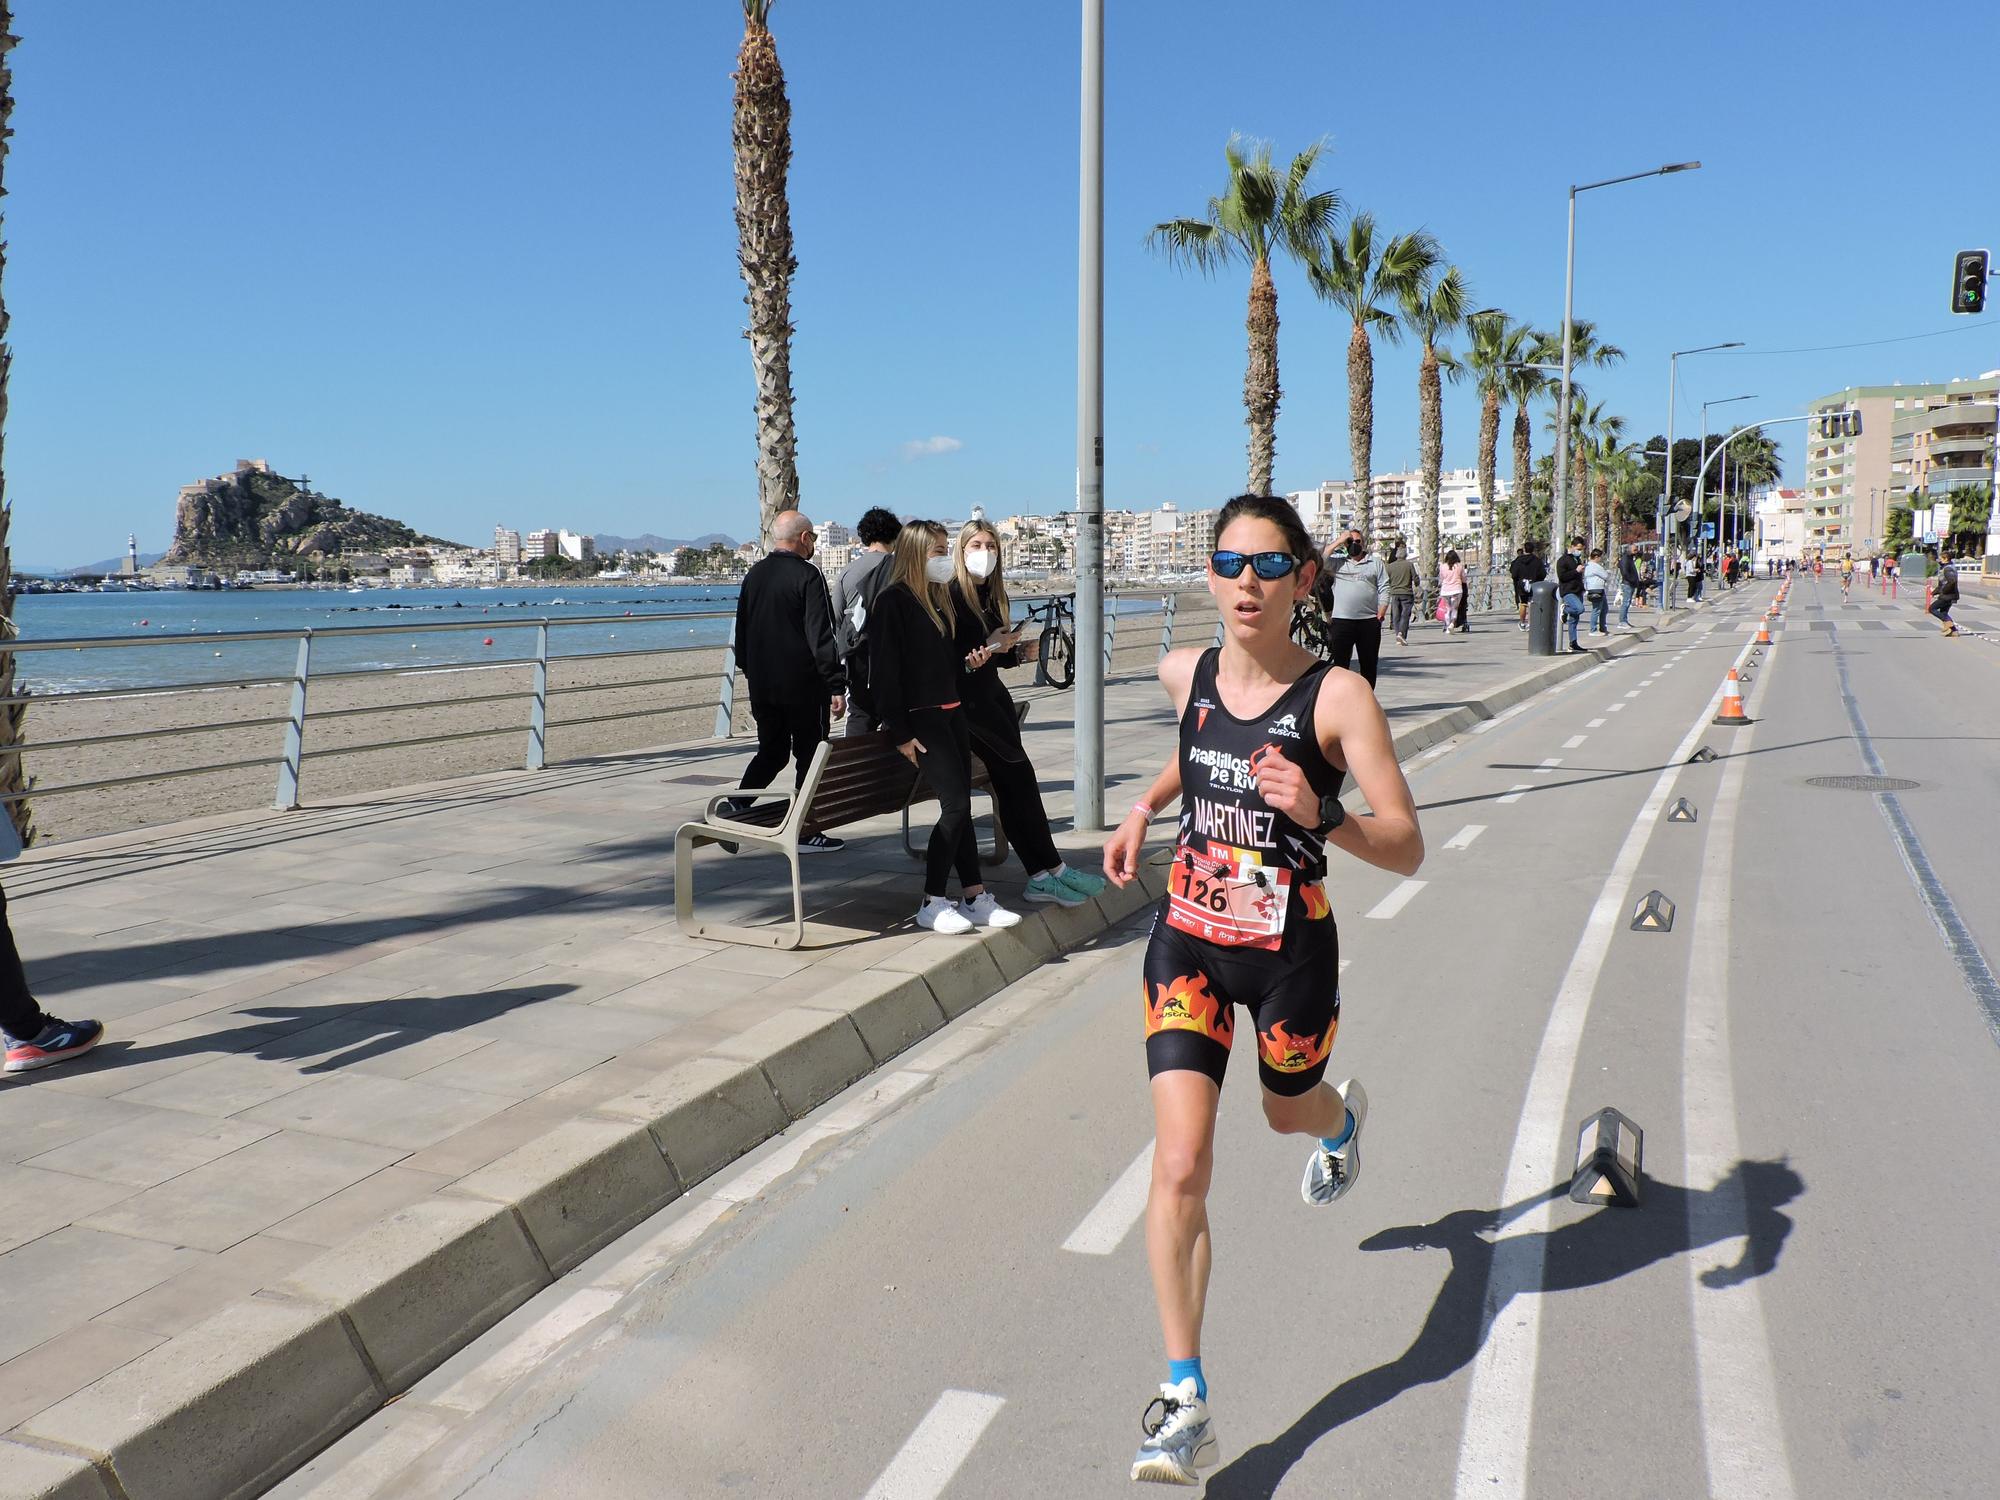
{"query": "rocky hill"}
(254, 518)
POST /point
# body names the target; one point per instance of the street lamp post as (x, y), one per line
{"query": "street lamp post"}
(1087, 800)
(1667, 484)
(1720, 401)
(1569, 310)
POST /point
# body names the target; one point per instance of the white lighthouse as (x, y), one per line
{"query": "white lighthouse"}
(131, 555)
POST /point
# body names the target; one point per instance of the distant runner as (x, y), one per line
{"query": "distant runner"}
(1266, 731)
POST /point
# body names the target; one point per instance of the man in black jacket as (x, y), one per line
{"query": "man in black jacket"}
(1628, 575)
(784, 642)
(1569, 587)
(1526, 568)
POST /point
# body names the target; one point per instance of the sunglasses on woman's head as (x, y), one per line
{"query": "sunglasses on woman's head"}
(1269, 566)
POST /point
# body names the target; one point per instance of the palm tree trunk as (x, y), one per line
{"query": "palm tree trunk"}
(1260, 378)
(1524, 476)
(763, 140)
(1489, 457)
(1361, 426)
(1430, 453)
(1579, 499)
(13, 716)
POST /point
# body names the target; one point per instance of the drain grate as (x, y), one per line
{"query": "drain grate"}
(1862, 783)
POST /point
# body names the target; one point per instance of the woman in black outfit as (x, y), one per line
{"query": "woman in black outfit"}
(982, 617)
(916, 675)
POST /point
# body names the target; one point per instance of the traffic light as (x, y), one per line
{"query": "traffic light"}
(1839, 424)
(1968, 282)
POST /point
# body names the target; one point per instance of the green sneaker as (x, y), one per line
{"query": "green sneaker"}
(1082, 881)
(1046, 889)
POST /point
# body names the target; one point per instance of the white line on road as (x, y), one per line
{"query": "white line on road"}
(1493, 1450)
(1548, 765)
(1513, 793)
(1635, 692)
(1574, 740)
(1616, 708)
(1396, 900)
(1435, 751)
(1104, 1228)
(1742, 1438)
(1464, 837)
(942, 1442)
(1595, 724)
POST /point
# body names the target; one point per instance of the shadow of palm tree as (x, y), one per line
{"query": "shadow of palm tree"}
(1587, 1252)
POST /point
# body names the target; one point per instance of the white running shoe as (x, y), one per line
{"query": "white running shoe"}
(1180, 1441)
(939, 915)
(1329, 1174)
(986, 912)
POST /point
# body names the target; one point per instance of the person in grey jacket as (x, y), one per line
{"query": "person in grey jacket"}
(853, 594)
(1402, 576)
(1356, 599)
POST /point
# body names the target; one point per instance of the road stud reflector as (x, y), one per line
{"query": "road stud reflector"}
(1610, 1152)
(1681, 812)
(1701, 756)
(1732, 715)
(1654, 913)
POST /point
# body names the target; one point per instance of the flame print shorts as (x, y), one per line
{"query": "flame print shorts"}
(1292, 998)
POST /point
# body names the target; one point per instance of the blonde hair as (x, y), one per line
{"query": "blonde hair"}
(991, 590)
(906, 566)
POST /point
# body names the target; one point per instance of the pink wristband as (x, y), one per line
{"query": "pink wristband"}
(1145, 811)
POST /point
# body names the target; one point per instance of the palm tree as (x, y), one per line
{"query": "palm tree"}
(1364, 281)
(1260, 213)
(1496, 344)
(1432, 308)
(1586, 351)
(1524, 385)
(763, 141)
(13, 716)
(1627, 479)
(1607, 442)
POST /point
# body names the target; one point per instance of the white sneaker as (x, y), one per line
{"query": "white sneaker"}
(1181, 1440)
(939, 915)
(987, 912)
(1329, 1174)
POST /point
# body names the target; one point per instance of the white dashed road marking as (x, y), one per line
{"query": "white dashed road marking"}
(1396, 900)
(1104, 1228)
(1548, 765)
(1574, 740)
(1595, 724)
(934, 1452)
(1513, 793)
(1464, 837)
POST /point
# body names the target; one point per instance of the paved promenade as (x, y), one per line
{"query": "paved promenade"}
(318, 1021)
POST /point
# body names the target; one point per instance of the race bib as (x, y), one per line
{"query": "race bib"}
(1235, 904)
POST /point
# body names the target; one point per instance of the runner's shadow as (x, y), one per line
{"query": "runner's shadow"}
(1588, 1251)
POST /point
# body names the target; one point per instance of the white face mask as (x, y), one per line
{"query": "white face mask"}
(938, 569)
(979, 562)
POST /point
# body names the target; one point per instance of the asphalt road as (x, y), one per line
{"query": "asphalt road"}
(1804, 1305)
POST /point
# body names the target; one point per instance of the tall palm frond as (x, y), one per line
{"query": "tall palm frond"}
(762, 139)
(1262, 214)
(1497, 342)
(1366, 280)
(1433, 307)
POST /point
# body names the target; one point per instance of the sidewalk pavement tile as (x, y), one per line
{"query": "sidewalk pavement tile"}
(224, 1087)
(36, 1120)
(470, 1149)
(37, 1380)
(562, 1020)
(205, 1288)
(40, 1202)
(147, 1151)
(517, 1068)
(49, 1475)
(72, 1275)
(247, 1191)
(346, 1213)
(408, 1114)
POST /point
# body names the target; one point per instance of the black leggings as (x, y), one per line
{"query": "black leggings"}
(1018, 797)
(1352, 637)
(946, 760)
(20, 1017)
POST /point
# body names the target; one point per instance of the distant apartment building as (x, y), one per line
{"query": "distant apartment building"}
(574, 547)
(538, 545)
(1779, 516)
(506, 547)
(1944, 445)
(1916, 443)
(1399, 514)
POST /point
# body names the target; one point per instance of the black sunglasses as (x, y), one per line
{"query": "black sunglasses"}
(1269, 566)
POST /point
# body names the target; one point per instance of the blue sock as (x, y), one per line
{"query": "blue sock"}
(1334, 1143)
(1179, 1370)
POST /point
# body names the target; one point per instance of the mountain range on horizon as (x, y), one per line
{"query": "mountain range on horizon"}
(606, 542)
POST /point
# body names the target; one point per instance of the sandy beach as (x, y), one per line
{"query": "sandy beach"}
(598, 706)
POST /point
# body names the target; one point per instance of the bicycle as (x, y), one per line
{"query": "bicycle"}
(1310, 630)
(1055, 656)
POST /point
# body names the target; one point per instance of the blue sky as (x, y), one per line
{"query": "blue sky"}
(473, 261)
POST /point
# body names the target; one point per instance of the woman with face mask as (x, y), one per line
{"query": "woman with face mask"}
(982, 617)
(917, 673)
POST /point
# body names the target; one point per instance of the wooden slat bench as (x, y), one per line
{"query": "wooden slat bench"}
(850, 779)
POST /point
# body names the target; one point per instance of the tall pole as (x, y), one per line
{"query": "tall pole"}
(1667, 486)
(1561, 512)
(1087, 804)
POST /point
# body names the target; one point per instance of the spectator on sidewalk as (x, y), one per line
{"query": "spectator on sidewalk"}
(1402, 576)
(1944, 594)
(784, 642)
(1526, 568)
(917, 673)
(34, 1039)
(1628, 577)
(1694, 576)
(982, 615)
(853, 595)
(1451, 593)
(1569, 587)
(1597, 592)
(1358, 598)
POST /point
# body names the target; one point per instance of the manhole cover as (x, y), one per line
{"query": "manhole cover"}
(1862, 783)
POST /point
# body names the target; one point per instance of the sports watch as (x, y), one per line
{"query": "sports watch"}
(1331, 815)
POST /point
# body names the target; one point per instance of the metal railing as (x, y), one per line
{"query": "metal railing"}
(293, 753)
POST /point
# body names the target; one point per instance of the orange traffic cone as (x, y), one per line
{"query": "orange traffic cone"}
(1763, 633)
(1732, 714)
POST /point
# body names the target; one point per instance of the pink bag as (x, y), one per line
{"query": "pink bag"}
(1443, 609)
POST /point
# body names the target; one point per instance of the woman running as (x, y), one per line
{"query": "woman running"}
(916, 674)
(983, 617)
(1266, 732)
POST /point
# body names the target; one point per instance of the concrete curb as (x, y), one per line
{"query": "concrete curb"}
(235, 1403)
